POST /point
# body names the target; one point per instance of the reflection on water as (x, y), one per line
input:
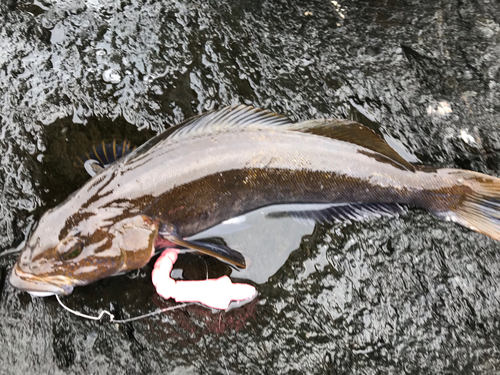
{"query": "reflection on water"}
(266, 242)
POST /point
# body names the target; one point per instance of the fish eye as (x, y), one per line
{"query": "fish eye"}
(70, 248)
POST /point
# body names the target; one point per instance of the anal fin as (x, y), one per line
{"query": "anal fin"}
(343, 212)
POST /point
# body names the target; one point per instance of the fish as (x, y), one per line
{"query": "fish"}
(223, 164)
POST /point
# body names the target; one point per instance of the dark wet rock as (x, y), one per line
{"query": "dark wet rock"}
(405, 295)
(62, 343)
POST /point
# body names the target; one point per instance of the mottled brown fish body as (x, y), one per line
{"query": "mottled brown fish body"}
(225, 164)
(258, 170)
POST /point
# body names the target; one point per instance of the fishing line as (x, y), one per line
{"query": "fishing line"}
(13, 251)
(112, 317)
(19, 247)
(206, 268)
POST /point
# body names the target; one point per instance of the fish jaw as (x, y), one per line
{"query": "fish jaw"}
(37, 286)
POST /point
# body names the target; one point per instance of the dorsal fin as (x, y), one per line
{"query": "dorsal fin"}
(233, 117)
(245, 117)
(228, 118)
(355, 133)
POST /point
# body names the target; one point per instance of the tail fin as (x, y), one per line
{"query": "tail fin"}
(479, 208)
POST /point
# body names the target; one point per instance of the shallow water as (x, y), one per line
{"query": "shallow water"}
(404, 295)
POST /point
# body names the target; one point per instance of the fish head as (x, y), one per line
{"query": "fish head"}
(55, 261)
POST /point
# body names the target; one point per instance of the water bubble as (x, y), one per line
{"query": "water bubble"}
(111, 76)
(466, 137)
(57, 34)
(31, 148)
(441, 109)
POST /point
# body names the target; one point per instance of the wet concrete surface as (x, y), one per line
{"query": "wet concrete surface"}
(410, 294)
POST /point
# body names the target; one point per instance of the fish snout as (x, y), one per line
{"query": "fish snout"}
(39, 286)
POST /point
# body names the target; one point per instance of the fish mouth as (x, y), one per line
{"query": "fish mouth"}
(38, 286)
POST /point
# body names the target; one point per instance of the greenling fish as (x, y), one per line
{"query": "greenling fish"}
(226, 163)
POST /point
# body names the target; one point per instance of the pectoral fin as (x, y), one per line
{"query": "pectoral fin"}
(93, 167)
(100, 156)
(217, 250)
